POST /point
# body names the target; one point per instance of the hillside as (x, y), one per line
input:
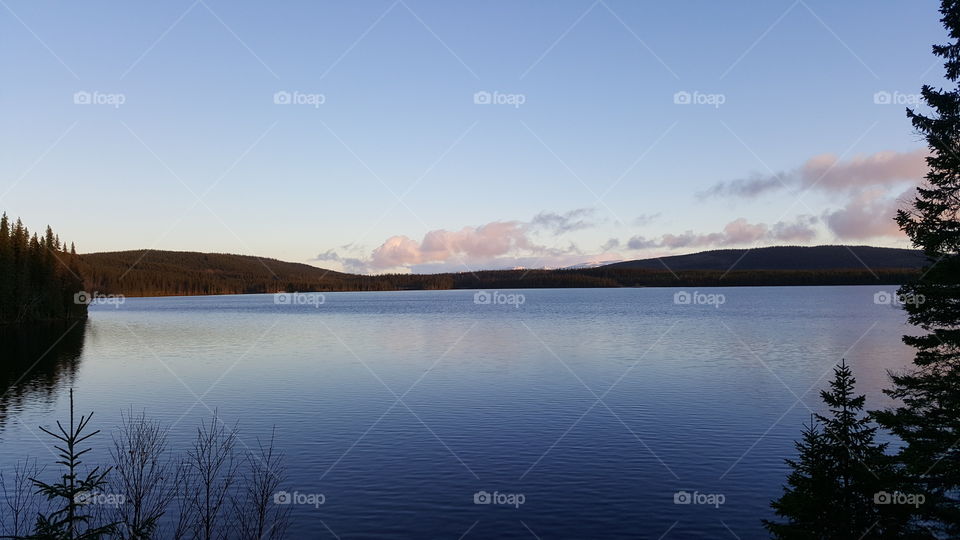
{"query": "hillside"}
(161, 273)
(175, 273)
(787, 258)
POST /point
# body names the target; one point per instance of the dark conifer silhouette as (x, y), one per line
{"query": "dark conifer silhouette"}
(928, 420)
(811, 476)
(39, 280)
(837, 484)
(71, 520)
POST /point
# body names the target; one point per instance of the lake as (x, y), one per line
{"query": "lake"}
(575, 413)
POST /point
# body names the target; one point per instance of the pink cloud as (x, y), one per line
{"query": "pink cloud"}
(737, 232)
(396, 251)
(826, 172)
(800, 231)
(497, 244)
(869, 215)
(879, 169)
(469, 244)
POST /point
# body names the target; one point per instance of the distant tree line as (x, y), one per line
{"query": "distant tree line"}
(169, 273)
(38, 276)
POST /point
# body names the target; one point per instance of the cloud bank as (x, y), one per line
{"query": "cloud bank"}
(869, 214)
(827, 173)
(495, 244)
(469, 243)
(738, 232)
(868, 189)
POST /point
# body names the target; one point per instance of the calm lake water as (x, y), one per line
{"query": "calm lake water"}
(595, 408)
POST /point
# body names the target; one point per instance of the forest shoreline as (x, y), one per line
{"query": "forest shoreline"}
(664, 286)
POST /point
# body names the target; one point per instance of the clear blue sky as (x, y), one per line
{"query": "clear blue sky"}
(598, 148)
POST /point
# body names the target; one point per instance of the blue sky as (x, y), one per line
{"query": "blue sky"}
(388, 163)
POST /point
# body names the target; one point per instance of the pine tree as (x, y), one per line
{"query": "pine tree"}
(801, 503)
(71, 521)
(832, 489)
(36, 282)
(7, 278)
(928, 421)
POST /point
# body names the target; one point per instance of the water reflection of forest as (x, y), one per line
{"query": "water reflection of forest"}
(37, 363)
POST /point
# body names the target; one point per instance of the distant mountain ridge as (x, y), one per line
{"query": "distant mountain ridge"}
(180, 273)
(786, 258)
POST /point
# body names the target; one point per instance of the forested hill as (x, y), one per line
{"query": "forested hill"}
(787, 258)
(172, 273)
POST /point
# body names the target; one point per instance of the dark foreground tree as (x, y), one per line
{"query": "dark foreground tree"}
(928, 421)
(839, 485)
(71, 519)
(801, 503)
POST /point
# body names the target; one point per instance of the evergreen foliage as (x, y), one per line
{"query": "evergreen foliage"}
(39, 278)
(71, 520)
(840, 484)
(928, 421)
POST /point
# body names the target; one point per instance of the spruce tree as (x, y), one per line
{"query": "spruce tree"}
(7, 277)
(834, 483)
(811, 476)
(36, 282)
(71, 519)
(928, 421)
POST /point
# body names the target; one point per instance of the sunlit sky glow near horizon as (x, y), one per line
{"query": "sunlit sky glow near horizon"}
(415, 135)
